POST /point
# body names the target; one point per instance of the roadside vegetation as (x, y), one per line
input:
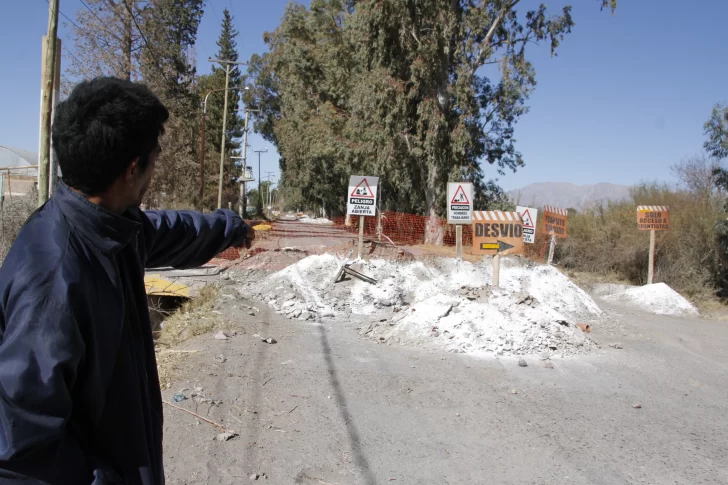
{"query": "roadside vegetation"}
(692, 256)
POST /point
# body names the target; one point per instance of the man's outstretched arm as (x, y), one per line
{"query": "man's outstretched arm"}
(186, 239)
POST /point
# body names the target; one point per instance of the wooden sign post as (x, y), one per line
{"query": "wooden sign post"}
(361, 201)
(459, 210)
(554, 224)
(497, 233)
(652, 218)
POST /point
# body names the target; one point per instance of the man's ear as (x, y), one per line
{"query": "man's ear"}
(132, 171)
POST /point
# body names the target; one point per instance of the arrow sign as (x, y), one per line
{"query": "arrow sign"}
(500, 246)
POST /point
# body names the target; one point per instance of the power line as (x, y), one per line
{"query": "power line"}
(65, 16)
(149, 47)
(81, 30)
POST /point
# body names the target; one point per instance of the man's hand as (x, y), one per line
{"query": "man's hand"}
(250, 234)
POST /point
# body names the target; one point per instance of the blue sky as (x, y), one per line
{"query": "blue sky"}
(624, 100)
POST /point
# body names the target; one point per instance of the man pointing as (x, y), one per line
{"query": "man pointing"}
(79, 393)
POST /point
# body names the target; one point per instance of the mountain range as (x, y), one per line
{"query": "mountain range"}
(566, 195)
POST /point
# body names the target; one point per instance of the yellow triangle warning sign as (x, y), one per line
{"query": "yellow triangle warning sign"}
(363, 190)
(460, 197)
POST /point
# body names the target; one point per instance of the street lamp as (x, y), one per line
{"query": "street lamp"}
(202, 142)
(227, 64)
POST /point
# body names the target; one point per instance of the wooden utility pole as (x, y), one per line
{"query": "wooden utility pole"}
(53, 167)
(46, 106)
(222, 142)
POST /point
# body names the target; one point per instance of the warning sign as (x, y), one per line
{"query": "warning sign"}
(529, 216)
(460, 203)
(361, 197)
(653, 217)
(554, 221)
(497, 232)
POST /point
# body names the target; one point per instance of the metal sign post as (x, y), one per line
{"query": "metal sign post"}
(459, 210)
(361, 201)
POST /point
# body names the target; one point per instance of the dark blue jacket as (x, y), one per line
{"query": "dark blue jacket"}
(79, 392)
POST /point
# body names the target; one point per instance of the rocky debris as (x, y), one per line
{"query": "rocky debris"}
(440, 302)
(524, 298)
(522, 363)
(222, 335)
(637, 405)
(226, 436)
(269, 340)
(220, 358)
(656, 298)
(474, 294)
(616, 345)
(447, 311)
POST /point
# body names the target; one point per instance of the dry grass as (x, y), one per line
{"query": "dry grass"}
(14, 211)
(195, 317)
(689, 256)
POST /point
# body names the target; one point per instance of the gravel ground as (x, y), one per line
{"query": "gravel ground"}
(326, 406)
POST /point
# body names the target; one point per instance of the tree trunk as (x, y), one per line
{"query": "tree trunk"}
(127, 38)
(434, 229)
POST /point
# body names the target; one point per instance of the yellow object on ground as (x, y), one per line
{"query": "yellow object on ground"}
(262, 227)
(158, 286)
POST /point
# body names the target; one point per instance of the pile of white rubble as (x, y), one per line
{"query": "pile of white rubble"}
(656, 298)
(441, 303)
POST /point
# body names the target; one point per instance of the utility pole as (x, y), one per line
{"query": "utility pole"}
(243, 201)
(227, 65)
(46, 106)
(202, 141)
(268, 176)
(260, 175)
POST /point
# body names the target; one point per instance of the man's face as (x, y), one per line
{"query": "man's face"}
(142, 179)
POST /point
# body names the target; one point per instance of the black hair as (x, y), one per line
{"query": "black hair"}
(101, 127)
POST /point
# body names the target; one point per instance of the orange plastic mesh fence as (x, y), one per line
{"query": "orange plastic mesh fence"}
(407, 229)
(396, 227)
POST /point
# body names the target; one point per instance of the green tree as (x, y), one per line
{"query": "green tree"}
(716, 129)
(227, 50)
(168, 67)
(416, 92)
(152, 42)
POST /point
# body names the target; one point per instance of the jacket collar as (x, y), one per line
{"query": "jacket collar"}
(107, 231)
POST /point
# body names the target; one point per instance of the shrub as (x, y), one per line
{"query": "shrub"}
(691, 256)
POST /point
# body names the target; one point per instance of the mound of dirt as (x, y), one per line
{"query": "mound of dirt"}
(657, 298)
(442, 303)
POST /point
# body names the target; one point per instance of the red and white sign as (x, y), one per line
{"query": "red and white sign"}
(529, 216)
(460, 203)
(362, 197)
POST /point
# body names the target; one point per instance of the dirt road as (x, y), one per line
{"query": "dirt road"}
(324, 406)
